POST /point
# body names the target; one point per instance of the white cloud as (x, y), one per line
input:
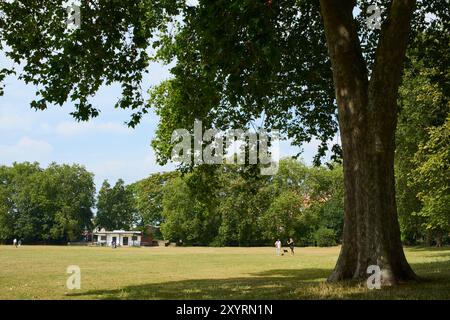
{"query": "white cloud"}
(68, 128)
(26, 149)
(15, 122)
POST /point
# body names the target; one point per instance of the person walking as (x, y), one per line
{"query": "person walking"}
(278, 247)
(291, 245)
(15, 242)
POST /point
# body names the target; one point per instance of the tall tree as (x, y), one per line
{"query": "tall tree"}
(432, 178)
(287, 217)
(189, 203)
(115, 207)
(243, 197)
(22, 213)
(291, 60)
(72, 192)
(367, 120)
(148, 194)
(52, 204)
(423, 105)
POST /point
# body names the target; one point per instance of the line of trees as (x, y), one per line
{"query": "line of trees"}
(422, 159)
(218, 205)
(116, 208)
(49, 205)
(230, 205)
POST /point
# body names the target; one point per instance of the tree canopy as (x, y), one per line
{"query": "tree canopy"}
(116, 207)
(52, 204)
(236, 62)
(423, 106)
(245, 210)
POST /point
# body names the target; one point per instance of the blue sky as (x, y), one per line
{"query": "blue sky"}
(105, 145)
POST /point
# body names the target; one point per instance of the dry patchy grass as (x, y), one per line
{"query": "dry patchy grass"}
(39, 272)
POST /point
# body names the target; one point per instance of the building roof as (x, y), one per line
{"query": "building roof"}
(117, 232)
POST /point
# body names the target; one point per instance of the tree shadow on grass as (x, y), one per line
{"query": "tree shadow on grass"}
(273, 284)
(283, 284)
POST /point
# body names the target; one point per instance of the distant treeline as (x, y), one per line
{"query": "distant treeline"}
(45, 205)
(225, 205)
(236, 206)
(213, 205)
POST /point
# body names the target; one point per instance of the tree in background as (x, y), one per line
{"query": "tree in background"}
(287, 217)
(148, 195)
(22, 215)
(52, 204)
(72, 195)
(189, 203)
(314, 193)
(234, 205)
(423, 105)
(183, 215)
(432, 177)
(327, 204)
(6, 205)
(115, 207)
(242, 198)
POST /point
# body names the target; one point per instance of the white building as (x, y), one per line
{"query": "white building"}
(120, 237)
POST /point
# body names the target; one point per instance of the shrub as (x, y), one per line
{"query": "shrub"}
(325, 237)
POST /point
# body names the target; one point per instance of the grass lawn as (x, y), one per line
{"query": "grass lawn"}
(39, 272)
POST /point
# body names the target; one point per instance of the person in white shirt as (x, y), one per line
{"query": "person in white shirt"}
(278, 247)
(15, 242)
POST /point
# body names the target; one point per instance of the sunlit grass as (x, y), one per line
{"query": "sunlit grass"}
(39, 272)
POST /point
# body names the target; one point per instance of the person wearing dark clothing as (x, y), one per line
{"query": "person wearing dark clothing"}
(291, 245)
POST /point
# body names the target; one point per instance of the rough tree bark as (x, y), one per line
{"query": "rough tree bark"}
(367, 121)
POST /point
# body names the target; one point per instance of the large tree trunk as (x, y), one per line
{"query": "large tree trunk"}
(367, 120)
